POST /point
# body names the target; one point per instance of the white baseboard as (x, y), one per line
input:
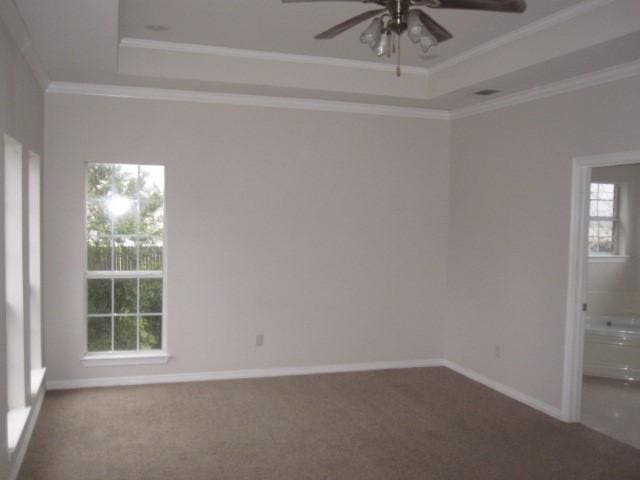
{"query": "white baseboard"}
(287, 371)
(505, 390)
(17, 456)
(238, 374)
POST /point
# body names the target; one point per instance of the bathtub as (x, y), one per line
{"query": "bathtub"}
(612, 346)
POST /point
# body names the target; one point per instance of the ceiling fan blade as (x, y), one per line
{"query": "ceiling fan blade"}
(509, 6)
(379, 2)
(438, 31)
(347, 24)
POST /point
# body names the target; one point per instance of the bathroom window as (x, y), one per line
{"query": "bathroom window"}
(125, 258)
(603, 219)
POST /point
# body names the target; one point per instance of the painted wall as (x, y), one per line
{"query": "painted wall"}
(614, 287)
(21, 117)
(509, 229)
(326, 232)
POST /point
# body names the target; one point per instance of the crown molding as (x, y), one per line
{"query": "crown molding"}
(12, 19)
(549, 21)
(245, 100)
(618, 72)
(266, 56)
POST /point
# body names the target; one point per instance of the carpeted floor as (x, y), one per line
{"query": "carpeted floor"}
(427, 423)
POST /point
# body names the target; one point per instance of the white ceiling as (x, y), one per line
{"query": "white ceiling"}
(270, 25)
(105, 42)
(579, 63)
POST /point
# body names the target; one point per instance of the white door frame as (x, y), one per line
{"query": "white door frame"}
(576, 293)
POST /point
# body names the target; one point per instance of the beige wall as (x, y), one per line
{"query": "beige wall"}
(326, 232)
(21, 116)
(509, 229)
(613, 287)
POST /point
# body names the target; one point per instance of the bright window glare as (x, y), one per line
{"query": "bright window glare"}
(118, 205)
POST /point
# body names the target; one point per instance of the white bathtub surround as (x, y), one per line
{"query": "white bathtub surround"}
(612, 346)
(603, 302)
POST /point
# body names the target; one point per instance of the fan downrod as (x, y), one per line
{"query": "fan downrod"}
(398, 9)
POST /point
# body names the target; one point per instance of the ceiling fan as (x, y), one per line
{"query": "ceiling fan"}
(397, 16)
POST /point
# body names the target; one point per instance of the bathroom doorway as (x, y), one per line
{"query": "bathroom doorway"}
(611, 366)
(602, 362)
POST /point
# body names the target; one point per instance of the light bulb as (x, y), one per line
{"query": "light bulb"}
(118, 205)
(384, 45)
(371, 36)
(427, 41)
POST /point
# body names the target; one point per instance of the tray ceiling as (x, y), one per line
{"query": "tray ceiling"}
(264, 47)
(270, 25)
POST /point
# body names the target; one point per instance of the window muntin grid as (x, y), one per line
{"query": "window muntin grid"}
(603, 218)
(125, 242)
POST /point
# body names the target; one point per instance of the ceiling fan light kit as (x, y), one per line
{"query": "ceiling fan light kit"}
(373, 34)
(385, 30)
(383, 48)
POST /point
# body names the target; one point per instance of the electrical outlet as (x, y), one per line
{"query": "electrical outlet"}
(498, 352)
(259, 340)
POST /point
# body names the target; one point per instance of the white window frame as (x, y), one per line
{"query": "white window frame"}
(14, 223)
(615, 220)
(35, 263)
(125, 357)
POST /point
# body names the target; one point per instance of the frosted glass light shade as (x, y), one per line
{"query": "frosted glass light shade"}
(427, 41)
(384, 45)
(415, 28)
(371, 36)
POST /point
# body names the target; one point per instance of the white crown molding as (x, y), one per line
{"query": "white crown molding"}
(506, 390)
(14, 22)
(549, 21)
(246, 100)
(599, 77)
(618, 72)
(266, 56)
(239, 374)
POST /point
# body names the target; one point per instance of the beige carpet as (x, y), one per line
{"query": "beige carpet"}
(426, 423)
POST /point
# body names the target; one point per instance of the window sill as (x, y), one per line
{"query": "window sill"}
(608, 258)
(118, 359)
(37, 378)
(16, 421)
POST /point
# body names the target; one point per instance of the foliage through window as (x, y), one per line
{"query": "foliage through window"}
(603, 218)
(125, 261)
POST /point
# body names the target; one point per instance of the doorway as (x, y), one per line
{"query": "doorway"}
(601, 382)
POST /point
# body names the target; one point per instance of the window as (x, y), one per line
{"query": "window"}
(14, 275)
(125, 261)
(603, 219)
(35, 274)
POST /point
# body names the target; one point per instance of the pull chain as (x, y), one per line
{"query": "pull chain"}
(398, 73)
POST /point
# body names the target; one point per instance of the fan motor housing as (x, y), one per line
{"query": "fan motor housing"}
(399, 10)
